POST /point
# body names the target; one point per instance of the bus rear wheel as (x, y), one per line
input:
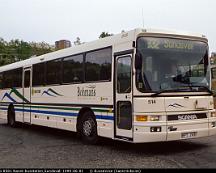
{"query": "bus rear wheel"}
(11, 117)
(88, 128)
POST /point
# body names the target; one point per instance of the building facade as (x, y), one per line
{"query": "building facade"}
(62, 44)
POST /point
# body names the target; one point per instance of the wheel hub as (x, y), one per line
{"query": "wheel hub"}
(87, 127)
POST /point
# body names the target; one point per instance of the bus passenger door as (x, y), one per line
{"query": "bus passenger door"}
(27, 95)
(123, 93)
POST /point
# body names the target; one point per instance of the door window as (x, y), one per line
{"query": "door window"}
(124, 75)
(124, 119)
(27, 79)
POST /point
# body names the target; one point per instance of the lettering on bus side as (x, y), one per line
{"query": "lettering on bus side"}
(89, 91)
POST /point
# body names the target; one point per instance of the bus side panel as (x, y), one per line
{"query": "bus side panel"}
(3, 114)
(59, 106)
(11, 96)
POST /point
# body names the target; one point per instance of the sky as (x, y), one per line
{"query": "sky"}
(52, 20)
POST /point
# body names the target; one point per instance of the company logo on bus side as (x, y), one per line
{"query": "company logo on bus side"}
(89, 91)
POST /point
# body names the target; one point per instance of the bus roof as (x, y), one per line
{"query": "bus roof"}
(100, 43)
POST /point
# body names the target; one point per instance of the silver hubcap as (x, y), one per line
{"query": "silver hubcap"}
(87, 127)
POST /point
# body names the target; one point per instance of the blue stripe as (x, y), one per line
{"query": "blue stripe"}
(60, 113)
(104, 117)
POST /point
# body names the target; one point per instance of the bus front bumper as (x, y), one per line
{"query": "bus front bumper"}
(143, 134)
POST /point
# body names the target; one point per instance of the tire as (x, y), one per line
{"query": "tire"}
(11, 117)
(88, 128)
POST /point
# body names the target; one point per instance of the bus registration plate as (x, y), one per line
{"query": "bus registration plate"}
(189, 135)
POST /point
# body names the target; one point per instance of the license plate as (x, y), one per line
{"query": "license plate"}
(189, 135)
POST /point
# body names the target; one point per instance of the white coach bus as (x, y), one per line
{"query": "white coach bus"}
(137, 86)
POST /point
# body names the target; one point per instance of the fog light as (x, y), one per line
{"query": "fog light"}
(155, 129)
(213, 124)
(154, 118)
(213, 114)
(141, 118)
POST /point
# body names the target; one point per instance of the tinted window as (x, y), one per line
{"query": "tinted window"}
(213, 73)
(17, 77)
(213, 81)
(27, 79)
(1, 80)
(124, 75)
(12, 78)
(8, 79)
(98, 65)
(53, 72)
(39, 74)
(73, 69)
(124, 118)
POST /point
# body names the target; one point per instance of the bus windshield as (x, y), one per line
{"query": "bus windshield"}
(172, 64)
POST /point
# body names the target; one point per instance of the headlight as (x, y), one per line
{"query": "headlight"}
(154, 118)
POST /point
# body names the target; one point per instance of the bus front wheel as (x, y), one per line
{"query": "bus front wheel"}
(11, 117)
(88, 128)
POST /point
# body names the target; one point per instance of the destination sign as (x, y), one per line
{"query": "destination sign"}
(176, 45)
(171, 44)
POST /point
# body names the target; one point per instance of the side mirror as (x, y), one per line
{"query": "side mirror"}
(138, 61)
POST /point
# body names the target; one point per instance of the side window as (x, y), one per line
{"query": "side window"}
(12, 78)
(98, 65)
(73, 69)
(8, 79)
(53, 72)
(124, 75)
(27, 79)
(17, 77)
(124, 118)
(1, 80)
(213, 81)
(38, 74)
(213, 70)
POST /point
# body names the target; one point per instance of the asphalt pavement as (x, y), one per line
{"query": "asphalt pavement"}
(40, 147)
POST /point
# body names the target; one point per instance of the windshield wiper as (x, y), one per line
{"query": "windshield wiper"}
(167, 91)
(181, 89)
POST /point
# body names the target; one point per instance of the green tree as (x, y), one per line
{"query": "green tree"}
(23, 50)
(4, 59)
(41, 48)
(77, 42)
(17, 50)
